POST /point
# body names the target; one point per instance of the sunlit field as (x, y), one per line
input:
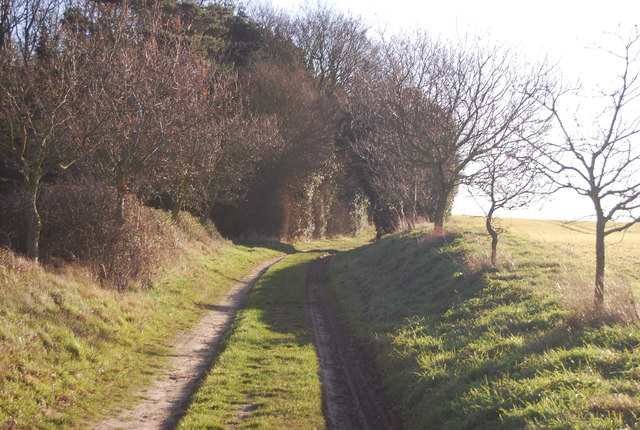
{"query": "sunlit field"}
(577, 239)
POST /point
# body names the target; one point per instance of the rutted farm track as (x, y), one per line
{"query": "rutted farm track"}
(351, 396)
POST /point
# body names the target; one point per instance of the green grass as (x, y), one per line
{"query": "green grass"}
(460, 347)
(268, 367)
(72, 351)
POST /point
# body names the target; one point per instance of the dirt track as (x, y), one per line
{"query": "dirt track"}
(167, 399)
(351, 395)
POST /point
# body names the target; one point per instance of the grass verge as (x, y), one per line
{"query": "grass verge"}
(460, 347)
(71, 351)
(267, 373)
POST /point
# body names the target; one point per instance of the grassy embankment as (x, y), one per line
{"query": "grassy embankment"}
(266, 375)
(71, 350)
(463, 347)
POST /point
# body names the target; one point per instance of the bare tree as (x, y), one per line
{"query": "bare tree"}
(334, 45)
(50, 113)
(454, 103)
(245, 140)
(395, 187)
(507, 179)
(208, 99)
(149, 76)
(8, 22)
(598, 156)
(23, 23)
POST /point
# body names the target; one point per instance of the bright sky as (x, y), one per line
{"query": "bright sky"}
(567, 31)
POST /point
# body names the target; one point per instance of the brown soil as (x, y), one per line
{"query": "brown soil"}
(164, 403)
(352, 396)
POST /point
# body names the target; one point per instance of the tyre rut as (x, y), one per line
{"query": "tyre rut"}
(168, 397)
(352, 395)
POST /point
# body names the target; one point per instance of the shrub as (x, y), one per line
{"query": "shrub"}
(80, 223)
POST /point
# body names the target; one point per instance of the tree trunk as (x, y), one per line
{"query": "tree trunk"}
(494, 237)
(120, 208)
(206, 213)
(175, 210)
(179, 201)
(121, 191)
(439, 214)
(443, 192)
(600, 260)
(34, 223)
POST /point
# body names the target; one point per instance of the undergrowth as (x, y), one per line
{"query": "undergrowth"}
(461, 345)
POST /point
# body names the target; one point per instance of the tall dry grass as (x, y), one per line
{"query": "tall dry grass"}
(577, 292)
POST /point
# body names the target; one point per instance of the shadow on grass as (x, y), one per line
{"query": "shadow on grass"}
(406, 274)
(280, 297)
(270, 327)
(573, 226)
(217, 308)
(285, 248)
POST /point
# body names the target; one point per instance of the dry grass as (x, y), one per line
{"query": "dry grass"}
(577, 240)
(10, 262)
(577, 292)
(574, 243)
(481, 262)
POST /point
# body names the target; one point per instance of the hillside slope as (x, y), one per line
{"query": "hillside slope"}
(461, 346)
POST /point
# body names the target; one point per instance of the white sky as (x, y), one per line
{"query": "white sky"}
(567, 31)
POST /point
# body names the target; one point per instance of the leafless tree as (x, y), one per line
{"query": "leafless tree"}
(395, 187)
(334, 45)
(148, 77)
(207, 101)
(598, 155)
(23, 23)
(507, 179)
(455, 102)
(245, 140)
(50, 112)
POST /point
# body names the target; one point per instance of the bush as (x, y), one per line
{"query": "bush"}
(80, 223)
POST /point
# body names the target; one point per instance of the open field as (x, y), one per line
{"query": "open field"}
(576, 239)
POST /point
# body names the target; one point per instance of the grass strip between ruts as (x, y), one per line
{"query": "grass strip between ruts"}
(267, 373)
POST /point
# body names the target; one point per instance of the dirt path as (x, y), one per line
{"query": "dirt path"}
(168, 397)
(351, 395)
